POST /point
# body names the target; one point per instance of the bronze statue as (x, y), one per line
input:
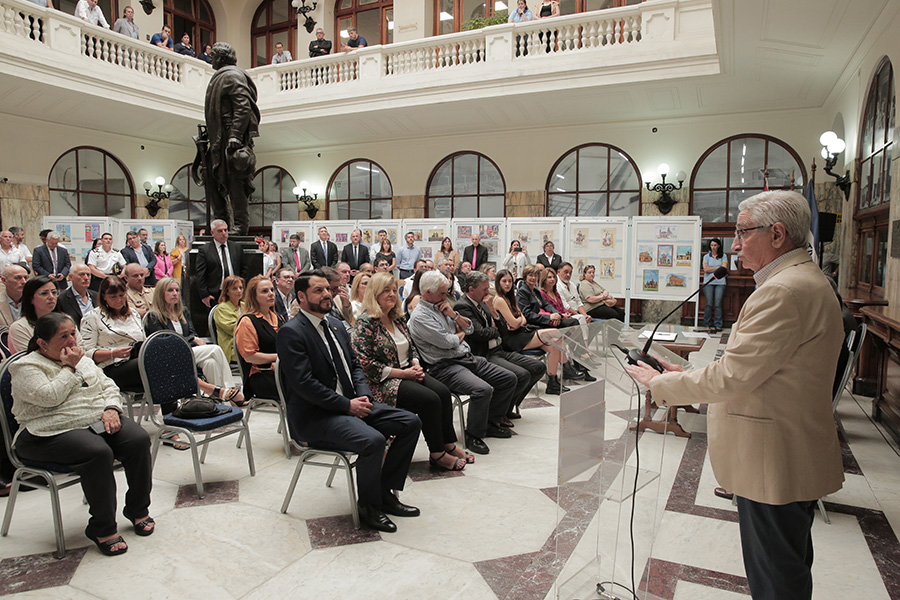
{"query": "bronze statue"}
(225, 162)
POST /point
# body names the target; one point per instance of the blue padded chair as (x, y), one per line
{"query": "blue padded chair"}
(344, 460)
(169, 374)
(29, 473)
(257, 402)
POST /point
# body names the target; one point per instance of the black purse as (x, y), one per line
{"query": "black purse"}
(198, 408)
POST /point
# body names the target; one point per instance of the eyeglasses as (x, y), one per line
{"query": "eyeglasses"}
(45, 293)
(739, 233)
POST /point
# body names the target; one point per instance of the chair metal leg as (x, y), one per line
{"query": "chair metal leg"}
(290, 491)
(354, 509)
(334, 469)
(205, 447)
(283, 430)
(196, 460)
(57, 519)
(129, 404)
(249, 450)
(10, 504)
(157, 438)
(824, 513)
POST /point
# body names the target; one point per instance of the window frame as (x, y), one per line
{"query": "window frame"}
(577, 149)
(382, 6)
(197, 26)
(270, 28)
(329, 201)
(478, 195)
(260, 191)
(191, 203)
(131, 196)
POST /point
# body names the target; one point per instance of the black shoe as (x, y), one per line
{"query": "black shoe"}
(496, 430)
(392, 506)
(476, 444)
(554, 387)
(374, 518)
(569, 372)
(588, 377)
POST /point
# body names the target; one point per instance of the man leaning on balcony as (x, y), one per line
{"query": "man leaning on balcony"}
(126, 25)
(319, 46)
(281, 55)
(163, 39)
(355, 41)
(87, 10)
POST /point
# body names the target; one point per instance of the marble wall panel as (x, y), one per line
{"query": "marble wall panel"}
(24, 206)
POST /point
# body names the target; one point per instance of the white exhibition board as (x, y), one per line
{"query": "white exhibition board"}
(429, 233)
(532, 233)
(282, 231)
(185, 228)
(666, 257)
(370, 231)
(601, 242)
(158, 230)
(491, 231)
(77, 234)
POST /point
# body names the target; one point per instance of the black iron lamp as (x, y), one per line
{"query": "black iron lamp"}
(665, 202)
(303, 10)
(162, 193)
(832, 146)
(309, 202)
(147, 5)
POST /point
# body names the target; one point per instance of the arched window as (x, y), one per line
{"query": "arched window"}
(373, 19)
(360, 189)
(874, 177)
(273, 199)
(275, 21)
(451, 15)
(594, 180)
(110, 8)
(735, 169)
(466, 184)
(187, 201)
(90, 182)
(194, 17)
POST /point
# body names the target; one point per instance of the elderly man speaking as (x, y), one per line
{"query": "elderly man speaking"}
(772, 438)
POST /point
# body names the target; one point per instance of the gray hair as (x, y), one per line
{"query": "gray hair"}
(53, 235)
(431, 282)
(475, 278)
(10, 270)
(78, 267)
(216, 223)
(780, 206)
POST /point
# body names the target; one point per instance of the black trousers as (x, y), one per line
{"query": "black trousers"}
(127, 375)
(262, 385)
(776, 541)
(607, 312)
(430, 400)
(91, 456)
(367, 438)
(528, 371)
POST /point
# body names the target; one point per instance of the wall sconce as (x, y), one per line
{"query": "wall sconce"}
(307, 200)
(147, 5)
(304, 10)
(665, 202)
(832, 146)
(162, 193)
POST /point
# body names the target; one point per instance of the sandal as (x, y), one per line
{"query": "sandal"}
(176, 442)
(231, 395)
(141, 528)
(469, 457)
(458, 465)
(106, 547)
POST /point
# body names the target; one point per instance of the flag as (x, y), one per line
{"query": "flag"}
(814, 219)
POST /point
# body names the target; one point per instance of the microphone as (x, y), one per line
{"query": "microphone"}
(633, 356)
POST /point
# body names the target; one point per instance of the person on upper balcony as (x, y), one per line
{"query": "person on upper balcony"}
(204, 56)
(319, 46)
(163, 39)
(126, 25)
(281, 55)
(547, 9)
(184, 46)
(87, 10)
(355, 41)
(521, 14)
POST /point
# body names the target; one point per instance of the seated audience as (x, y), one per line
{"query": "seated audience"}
(79, 299)
(255, 334)
(438, 333)
(407, 283)
(367, 268)
(538, 311)
(165, 266)
(382, 265)
(518, 335)
(357, 292)
(167, 312)
(491, 271)
(486, 341)
(39, 297)
(551, 296)
(548, 258)
(140, 298)
(14, 278)
(516, 260)
(228, 311)
(390, 362)
(284, 291)
(412, 299)
(597, 301)
(135, 252)
(447, 252)
(58, 396)
(329, 405)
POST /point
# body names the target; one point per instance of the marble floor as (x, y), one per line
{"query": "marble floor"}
(502, 528)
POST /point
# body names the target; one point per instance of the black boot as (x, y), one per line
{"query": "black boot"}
(554, 387)
(584, 370)
(569, 372)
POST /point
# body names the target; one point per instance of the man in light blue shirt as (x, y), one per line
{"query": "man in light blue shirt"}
(407, 257)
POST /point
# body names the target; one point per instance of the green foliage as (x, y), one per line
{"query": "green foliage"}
(480, 22)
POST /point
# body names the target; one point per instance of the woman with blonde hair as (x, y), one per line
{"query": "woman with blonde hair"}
(357, 292)
(228, 311)
(179, 256)
(167, 312)
(390, 362)
(255, 336)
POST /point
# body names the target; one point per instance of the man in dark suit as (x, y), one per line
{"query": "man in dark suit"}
(134, 252)
(485, 341)
(323, 253)
(476, 255)
(284, 292)
(294, 257)
(329, 404)
(354, 253)
(78, 299)
(210, 260)
(52, 261)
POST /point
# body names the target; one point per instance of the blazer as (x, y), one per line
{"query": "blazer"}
(43, 263)
(553, 262)
(209, 267)
(480, 258)
(771, 434)
(152, 324)
(376, 350)
(6, 317)
(280, 308)
(531, 304)
(485, 330)
(289, 259)
(130, 256)
(318, 259)
(310, 379)
(362, 256)
(68, 303)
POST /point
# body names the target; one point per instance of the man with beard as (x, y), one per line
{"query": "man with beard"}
(329, 404)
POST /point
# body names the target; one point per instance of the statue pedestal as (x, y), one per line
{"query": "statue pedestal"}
(253, 265)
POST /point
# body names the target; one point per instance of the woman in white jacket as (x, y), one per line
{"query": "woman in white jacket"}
(517, 259)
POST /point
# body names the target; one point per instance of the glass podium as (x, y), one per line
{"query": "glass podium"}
(610, 496)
